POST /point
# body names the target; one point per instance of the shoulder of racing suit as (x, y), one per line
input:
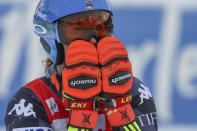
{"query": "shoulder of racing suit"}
(25, 110)
(34, 107)
(143, 106)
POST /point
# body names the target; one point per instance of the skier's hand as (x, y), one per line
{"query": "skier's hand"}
(117, 80)
(122, 118)
(82, 114)
(81, 80)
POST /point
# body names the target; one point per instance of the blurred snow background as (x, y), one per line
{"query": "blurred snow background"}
(161, 37)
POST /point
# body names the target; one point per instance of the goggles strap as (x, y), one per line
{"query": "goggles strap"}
(56, 80)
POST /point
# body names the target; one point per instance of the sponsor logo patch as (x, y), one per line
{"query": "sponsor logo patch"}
(144, 93)
(88, 4)
(33, 129)
(149, 119)
(20, 109)
(124, 115)
(82, 82)
(120, 78)
(51, 103)
(86, 119)
(39, 13)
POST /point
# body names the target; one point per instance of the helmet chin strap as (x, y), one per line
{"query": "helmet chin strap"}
(54, 69)
(59, 68)
(51, 69)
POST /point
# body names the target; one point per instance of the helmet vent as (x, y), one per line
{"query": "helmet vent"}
(45, 45)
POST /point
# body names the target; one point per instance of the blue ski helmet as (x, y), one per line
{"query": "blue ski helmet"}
(46, 18)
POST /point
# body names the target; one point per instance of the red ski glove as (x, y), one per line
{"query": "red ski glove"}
(81, 80)
(117, 80)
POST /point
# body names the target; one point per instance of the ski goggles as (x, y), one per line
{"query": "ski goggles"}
(84, 25)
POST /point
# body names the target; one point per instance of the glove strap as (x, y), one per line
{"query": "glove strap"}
(71, 128)
(133, 126)
(56, 80)
(117, 101)
(100, 105)
(71, 104)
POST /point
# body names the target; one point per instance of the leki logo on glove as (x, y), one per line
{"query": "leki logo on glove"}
(120, 78)
(86, 119)
(82, 82)
(124, 115)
